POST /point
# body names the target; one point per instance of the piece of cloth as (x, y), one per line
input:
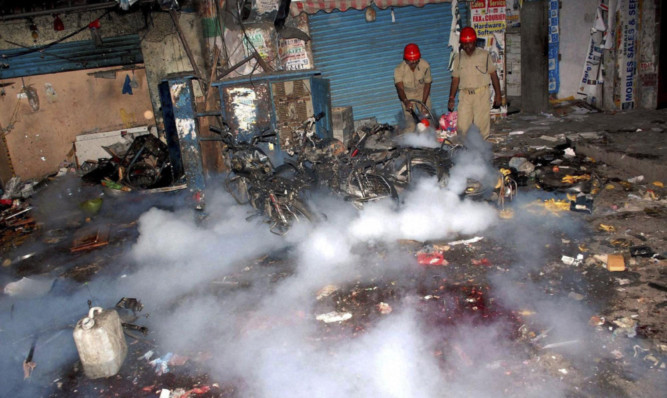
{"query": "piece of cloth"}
(127, 85)
(413, 85)
(474, 108)
(474, 71)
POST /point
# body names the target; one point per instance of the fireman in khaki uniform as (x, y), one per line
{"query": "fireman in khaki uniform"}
(472, 73)
(412, 78)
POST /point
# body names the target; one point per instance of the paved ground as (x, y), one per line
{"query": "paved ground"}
(346, 308)
(634, 142)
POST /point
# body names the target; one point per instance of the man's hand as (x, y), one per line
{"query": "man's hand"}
(497, 99)
(452, 93)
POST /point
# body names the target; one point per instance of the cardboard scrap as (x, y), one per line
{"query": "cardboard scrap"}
(615, 262)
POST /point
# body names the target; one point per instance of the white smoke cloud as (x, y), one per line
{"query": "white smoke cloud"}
(421, 139)
(207, 291)
(428, 213)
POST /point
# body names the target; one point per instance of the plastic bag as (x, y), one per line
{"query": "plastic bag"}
(447, 125)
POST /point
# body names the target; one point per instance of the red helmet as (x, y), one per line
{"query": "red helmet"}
(411, 52)
(468, 35)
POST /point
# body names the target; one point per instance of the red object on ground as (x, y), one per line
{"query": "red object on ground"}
(197, 390)
(434, 258)
(95, 24)
(6, 202)
(484, 261)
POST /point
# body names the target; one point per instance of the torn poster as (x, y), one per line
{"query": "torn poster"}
(554, 38)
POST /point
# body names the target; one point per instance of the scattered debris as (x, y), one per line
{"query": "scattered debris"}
(567, 260)
(431, 258)
(161, 365)
(484, 261)
(384, 308)
(326, 291)
(561, 344)
(334, 316)
(28, 364)
(626, 326)
(87, 239)
(658, 286)
(641, 251)
(466, 241)
(636, 180)
(29, 287)
(615, 262)
(576, 296)
(607, 228)
(583, 203)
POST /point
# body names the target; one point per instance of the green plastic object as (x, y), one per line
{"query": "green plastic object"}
(112, 184)
(92, 206)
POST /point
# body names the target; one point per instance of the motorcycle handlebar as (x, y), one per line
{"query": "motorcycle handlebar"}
(264, 137)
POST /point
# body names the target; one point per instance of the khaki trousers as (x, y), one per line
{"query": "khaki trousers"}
(474, 107)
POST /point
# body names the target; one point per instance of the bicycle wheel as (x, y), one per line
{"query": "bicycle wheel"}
(416, 169)
(365, 187)
(293, 212)
(142, 175)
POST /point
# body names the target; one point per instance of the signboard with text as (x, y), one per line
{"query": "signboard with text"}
(628, 32)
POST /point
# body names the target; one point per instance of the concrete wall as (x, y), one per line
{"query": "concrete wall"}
(576, 20)
(513, 62)
(41, 140)
(647, 91)
(165, 55)
(18, 30)
(70, 103)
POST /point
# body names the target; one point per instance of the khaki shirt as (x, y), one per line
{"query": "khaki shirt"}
(474, 71)
(413, 82)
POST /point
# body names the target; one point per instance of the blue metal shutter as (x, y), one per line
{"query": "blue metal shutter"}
(359, 57)
(61, 57)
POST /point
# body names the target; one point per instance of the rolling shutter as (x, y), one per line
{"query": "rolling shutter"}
(62, 57)
(359, 57)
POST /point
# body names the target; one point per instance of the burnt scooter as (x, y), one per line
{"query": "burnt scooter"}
(405, 164)
(401, 164)
(327, 163)
(253, 181)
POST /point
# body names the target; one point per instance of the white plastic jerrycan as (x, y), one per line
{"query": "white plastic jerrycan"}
(100, 342)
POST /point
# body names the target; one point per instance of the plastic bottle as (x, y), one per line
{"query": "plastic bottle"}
(100, 342)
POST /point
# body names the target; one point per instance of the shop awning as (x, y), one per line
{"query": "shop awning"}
(313, 6)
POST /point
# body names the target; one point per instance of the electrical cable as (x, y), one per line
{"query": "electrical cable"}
(45, 46)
